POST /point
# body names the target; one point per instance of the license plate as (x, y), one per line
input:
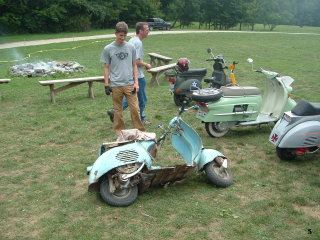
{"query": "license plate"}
(202, 113)
(171, 87)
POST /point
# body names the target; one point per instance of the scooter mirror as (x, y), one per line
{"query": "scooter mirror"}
(250, 60)
(209, 50)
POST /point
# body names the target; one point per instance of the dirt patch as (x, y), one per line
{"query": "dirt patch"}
(312, 211)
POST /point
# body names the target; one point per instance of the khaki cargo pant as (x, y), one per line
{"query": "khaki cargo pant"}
(117, 96)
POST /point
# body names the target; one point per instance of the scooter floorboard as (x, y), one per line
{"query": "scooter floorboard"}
(262, 118)
(170, 174)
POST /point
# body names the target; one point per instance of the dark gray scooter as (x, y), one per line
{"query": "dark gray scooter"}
(183, 80)
(298, 132)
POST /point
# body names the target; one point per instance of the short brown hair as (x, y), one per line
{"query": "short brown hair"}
(121, 27)
(140, 26)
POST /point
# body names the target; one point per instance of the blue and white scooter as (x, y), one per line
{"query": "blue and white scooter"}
(298, 131)
(123, 168)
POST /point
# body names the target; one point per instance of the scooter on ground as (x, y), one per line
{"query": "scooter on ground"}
(298, 131)
(221, 109)
(124, 168)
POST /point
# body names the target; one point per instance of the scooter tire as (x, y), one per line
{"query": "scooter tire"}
(121, 198)
(286, 154)
(214, 129)
(221, 177)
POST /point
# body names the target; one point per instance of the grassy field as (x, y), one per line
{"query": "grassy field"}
(45, 149)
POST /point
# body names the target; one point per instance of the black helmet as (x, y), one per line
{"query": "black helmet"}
(183, 64)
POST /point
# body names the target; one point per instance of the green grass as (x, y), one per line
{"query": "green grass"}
(46, 147)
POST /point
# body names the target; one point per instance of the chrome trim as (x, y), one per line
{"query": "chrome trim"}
(127, 176)
(235, 113)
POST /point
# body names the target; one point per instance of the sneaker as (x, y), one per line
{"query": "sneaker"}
(145, 122)
(110, 112)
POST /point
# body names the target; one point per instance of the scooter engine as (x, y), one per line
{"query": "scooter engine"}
(128, 168)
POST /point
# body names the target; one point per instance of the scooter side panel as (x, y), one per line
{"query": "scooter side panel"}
(208, 155)
(187, 142)
(306, 134)
(184, 86)
(118, 156)
(226, 109)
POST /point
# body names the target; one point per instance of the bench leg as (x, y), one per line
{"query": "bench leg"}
(159, 63)
(152, 61)
(52, 94)
(153, 78)
(90, 90)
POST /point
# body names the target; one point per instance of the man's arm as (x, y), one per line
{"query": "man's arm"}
(135, 76)
(140, 63)
(106, 74)
(107, 88)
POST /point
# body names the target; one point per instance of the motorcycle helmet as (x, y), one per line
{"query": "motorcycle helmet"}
(183, 64)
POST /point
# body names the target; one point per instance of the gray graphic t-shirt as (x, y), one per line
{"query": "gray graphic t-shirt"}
(120, 59)
(137, 43)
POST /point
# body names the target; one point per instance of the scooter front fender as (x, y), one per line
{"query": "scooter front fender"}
(208, 155)
(118, 156)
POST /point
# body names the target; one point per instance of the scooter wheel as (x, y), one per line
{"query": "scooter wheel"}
(286, 154)
(119, 198)
(221, 177)
(217, 129)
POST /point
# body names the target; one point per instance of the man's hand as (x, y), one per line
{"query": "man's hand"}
(108, 90)
(148, 66)
(135, 88)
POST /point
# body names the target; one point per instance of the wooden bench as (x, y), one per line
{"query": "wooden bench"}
(5, 80)
(156, 72)
(69, 83)
(158, 60)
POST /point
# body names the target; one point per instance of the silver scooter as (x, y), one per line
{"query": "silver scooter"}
(298, 131)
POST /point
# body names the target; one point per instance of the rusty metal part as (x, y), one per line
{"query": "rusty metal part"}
(128, 168)
(128, 176)
(170, 174)
(219, 161)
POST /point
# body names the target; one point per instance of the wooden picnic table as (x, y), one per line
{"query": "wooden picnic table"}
(158, 60)
(69, 83)
(157, 71)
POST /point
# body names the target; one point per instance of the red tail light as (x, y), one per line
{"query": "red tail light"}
(171, 79)
(202, 104)
(301, 151)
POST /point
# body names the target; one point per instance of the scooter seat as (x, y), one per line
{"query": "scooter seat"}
(194, 72)
(240, 91)
(305, 108)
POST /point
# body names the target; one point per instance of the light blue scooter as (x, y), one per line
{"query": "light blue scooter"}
(123, 168)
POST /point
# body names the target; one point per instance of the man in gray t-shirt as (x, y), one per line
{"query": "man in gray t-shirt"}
(121, 77)
(142, 31)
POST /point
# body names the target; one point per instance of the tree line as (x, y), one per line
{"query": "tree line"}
(48, 16)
